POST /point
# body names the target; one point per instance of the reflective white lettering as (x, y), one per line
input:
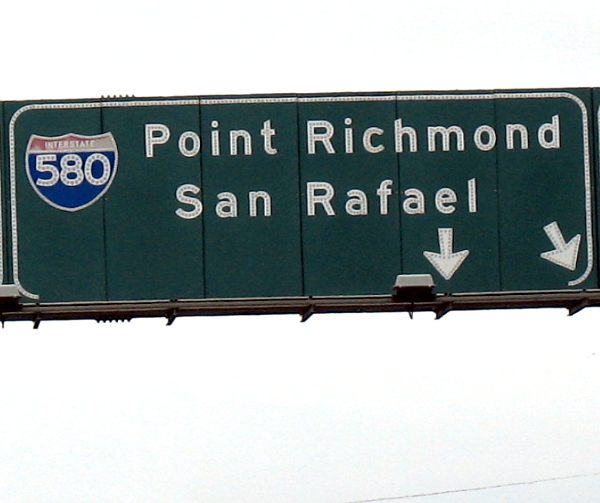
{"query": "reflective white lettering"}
(156, 134)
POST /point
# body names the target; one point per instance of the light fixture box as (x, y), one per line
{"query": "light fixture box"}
(414, 288)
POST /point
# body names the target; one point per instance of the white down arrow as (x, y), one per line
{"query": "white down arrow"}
(446, 262)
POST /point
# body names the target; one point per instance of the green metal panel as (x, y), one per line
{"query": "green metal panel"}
(595, 141)
(6, 276)
(545, 190)
(350, 248)
(57, 255)
(449, 190)
(250, 188)
(151, 252)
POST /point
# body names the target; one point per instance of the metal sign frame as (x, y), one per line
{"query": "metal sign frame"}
(574, 300)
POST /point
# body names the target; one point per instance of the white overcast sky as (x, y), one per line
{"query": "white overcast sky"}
(265, 409)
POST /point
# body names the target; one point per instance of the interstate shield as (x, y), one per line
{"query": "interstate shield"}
(71, 172)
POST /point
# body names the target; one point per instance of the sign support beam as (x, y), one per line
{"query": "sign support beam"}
(440, 305)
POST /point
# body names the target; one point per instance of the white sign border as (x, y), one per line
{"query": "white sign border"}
(300, 99)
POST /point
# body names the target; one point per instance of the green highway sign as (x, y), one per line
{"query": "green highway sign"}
(298, 196)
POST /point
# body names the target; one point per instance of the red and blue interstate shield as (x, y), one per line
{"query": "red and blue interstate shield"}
(71, 172)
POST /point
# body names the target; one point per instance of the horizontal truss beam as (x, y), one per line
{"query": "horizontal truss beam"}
(303, 306)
